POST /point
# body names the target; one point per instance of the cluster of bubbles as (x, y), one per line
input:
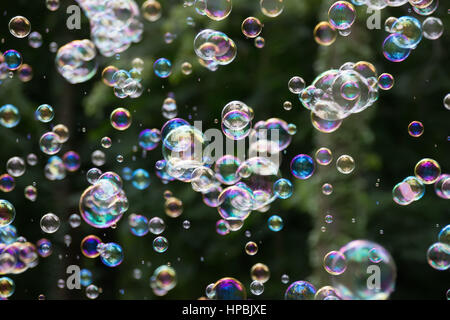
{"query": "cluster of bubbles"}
(111, 254)
(125, 83)
(114, 24)
(104, 202)
(76, 62)
(214, 48)
(11, 61)
(426, 171)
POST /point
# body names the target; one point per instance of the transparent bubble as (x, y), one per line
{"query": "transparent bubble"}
(19, 27)
(7, 213)
(49, 143)
(283, 188)
(447, 101)
(162, 68)
(385, 81)
(326, 293)
(407, 32)
(271, 8)
(74, 220)
(76, 61)
(300, 290)
(44, 113)
(229, 289)
(52, 5)
(160, 244)
(256, 288)
(9, 116)
(62, 131)
(324, 156)
(7, 287)
(394, 52)
(98, 158)
(433, 28)
(165, 277)
(251, 248)
(296, 85)
(35, 39)
(438, 256)
(327, 189)
(120, 119)
(341, 15)
(156, 225)
(186, 68)
(13, 59)
(251, 27)
(302, 166)
(92, 292)
(50, 223)
(16, 166)
(275, 223)
(335, 263)
(415, 129)
(218, 9)
(151, 10)
(427, 170)
(260, 272)
(89, 246)
(140, 179)
(345, 164)
(30, 193)
(442, 187)
(324, 33)
(112, 255)
(7, 183)
(260, 42)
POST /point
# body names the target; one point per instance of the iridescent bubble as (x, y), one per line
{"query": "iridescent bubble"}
(25, 72)
(160, 244)
(438, 256)
(7, 213)
(156, 225)
(300, 290)
(251, 27)
(35, 39)
(222, 227)
(186, 68)
(165, 277)
(19, 27)
(251, 248)
(140, 179)
(52, 5)
(7, 287)
(7, 183)
(447, 101)
(415, 129)
(93, 174)
(85, 277)
(335, 263)
(211, 198)
(62, 131)
(50, 223)
(72, 161)
(89, 246)
(173, 207)
(324, 156)
(108, 76)
(345, 164)
(44, 247)
(92, 292)
(149, 138)
(49, 143)
(302, 166)
(352, 284)
(341, 15)
(442, 186)
(325, 126)
(218, 9)
(385, 81)
(433, 28)
(271, 8)
(120, 119)
(409, 190)
(74, 220)
(44, 113)
(151, 10)
(326, 293)
(427, 170)
(260, 42)
(226, 169)
(13, 59)
(283, 188)
(30, 193)
(327, 189)
(9, 116)
(229, 289)
(444, 235)
(111, 255)
(275, 223)
(324, 34)
(16, 166)
(296, 85)
(407, 32)
(392, 51)
(260, 272)
(162, 68)
(257, 288)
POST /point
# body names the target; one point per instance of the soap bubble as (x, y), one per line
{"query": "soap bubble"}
(433, 28)
(324, 33)
(394, 52)
(149, 138)
(444, 235)
(251, 248)
(442, 186)
(302, 166)
(324, 156)
(72, 161)
(327, 293)
(186, 68)
(151, 10)
(415, 129)
(407, 32)
(35, 39)
(44, 247)
(335, 263)
(89, 246)
(120, 119)
(296, 85)
(160, 244)
(52, 5)
(156, 225)
(19, 27)
(385, 81)
(229, 289)
(9, 116)
(173, 207)
(13, 59)
(271, 8)
(251, 27)
(50, 143)
(44, 113)
(222, 227)
(165, 277)
(92, 292)
(16, 166)
(345, 164)
(257, 288)
(140, 179)
(74, 220)
(341, 15)
(112, 255)
(30, 193)
(7, 287)
(327, 189)
(226, 169)
(427, 170)
(260, 42)
(218, 9)
(7, 183)
(50, 223)
(162, 68)
(62, 131)
(438, 256)
(275, 223)
(300, 290)
(7, 213)
(283, 188)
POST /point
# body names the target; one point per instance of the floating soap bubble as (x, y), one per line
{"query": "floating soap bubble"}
(335, 263)
(438, 256)
(251, 248)
(120, 119)
(19, 27)
(72, 161)
(49, 143)
(55, 169)
(342, 15)
(7, 213)
(427, 170)
(271, 8)
(426, 11)
(345, 164)
(93, 174)
(409, 190)
(442, 187)
(222, 227)
(140, 179)
(106, 142)
(214, 48)
(30, 193)
(89, 246)
(433, 28)
(25, 72)
(385, 81)
(156, 225)
(324, 156)
(296, 85)
(324, 33)
(62, 131)
(112, 255)
(260, 42)
(300, 290)
(35, 39)
(162, 68)
(327, 189)
(7, 183)
(229, 289)
(256, 288)
(392, 51)
(407, 32)
(151, 10)
(415, 129)
(283, 188)
(260, 272)
(324, 126)
(74, 220)
(302, 166)
(9, 116)
(173, 207)
(211, 198)
(275, 223)
(203, 179)
(44, 247)
(16, 166)
(108, 76)
(52, 5)
(169, 108)
(186, 68)
(85, 277)
(251, 27)
(218, 9)
(226, 169)
(92, 292)
(165, 277)
(352, 284)
(13, 59)
(76, 62)
(160, 244)
(447, 101)
(149, 138)
(444, 235)
(7, 287)
(50, 223)
(326, 293)
(44, 113)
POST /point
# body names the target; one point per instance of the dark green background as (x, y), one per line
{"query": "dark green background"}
(377, 138)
